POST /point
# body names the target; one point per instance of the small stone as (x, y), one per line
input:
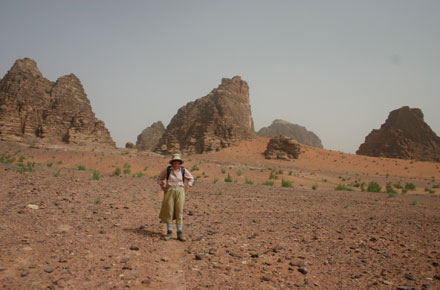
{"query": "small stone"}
(51, 287)
(199, 257)
(146, 282)
(124, 260)
(435, 264)
(33, 206)
(24, 274)
(403, 287)
(49, 270)
(277, 249)
(303, 270)
(437, 277)
(134, 248)
(190, 213)
(2, 269)
(106, 267)
(409, 277)
(264, 278)
(212, 251)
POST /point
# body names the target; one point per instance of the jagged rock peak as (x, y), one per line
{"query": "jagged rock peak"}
(404, 135)
(26, 66)
(297, 132)
(150, 137)
(34, 109)
(221, 119)
(283, 148)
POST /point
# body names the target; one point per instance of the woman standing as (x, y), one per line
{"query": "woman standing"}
(172, 182)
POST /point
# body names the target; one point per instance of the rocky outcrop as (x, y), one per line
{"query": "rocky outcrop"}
(299, 133)
(221, 119)
(149, 138)
(282, 148)
(404, 135)
(34, 108)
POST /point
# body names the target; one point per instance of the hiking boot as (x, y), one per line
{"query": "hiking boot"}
(168, 236)
(180, 236)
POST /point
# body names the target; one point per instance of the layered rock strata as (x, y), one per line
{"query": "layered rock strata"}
(404, 135)
(221, 119)
(34, 108)
(297, 132)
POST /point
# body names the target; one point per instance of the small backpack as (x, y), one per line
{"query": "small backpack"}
(182, 169)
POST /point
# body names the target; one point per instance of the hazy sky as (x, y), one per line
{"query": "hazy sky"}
(336, 67)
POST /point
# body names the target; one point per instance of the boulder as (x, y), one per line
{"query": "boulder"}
(297, 132)
(149, 138)
(283, 148)
(34, 108)
(404, 135)
(221, 119)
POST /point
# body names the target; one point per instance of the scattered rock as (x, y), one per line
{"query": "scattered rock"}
(199, 257)
(146, 282)
(409, 277)
(265, 278)
(48, 270)
(134, 248)
(302, 270)
(24, 274)
(33, 206)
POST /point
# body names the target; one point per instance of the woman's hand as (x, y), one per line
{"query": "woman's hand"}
(186, 188)
(164, 188)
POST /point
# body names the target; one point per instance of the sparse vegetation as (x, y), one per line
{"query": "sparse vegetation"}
(117, 171)
(343, 187)
(286, 183)
(415, 202)
(389, 188)
(315, 186)
(215, 180)
(249, 181)
(127, 168)
(373, 187)
(96, 175)
(228, 178)
(81, 167)
(49, 164)
(239, 172)
(269, 182)
(195, 167)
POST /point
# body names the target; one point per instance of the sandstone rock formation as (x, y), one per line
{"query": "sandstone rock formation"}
(404, 135)
(221, 119)
(282, 147)
(129, 145)
(34, 108)
(149, 138)
(299, 133)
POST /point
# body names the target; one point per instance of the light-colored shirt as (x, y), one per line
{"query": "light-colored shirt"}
(175, 178)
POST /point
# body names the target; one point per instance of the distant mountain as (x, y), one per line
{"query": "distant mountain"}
(34, 108)
(150, 136)
(297, 132)
(404, 135)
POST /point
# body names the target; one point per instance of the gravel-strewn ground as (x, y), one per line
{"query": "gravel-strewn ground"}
(105, 234)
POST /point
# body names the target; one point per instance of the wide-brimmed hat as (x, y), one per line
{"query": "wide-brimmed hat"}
(176, 157)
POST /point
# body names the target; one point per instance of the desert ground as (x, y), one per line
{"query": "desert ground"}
(87, 218)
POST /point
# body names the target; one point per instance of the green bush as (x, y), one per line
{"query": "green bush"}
(343, 187)
(239, 172)
(249, 181)
(139, 174)
(269, 183)
(96, 175)
(228, 178)
(389, 188)
(215, 180)
(373, 187)
(195, 168)
(286, 183)
(28, 167)
(81, 167)
(410, 186)
(315, 186)
(223, 170)
(117, 171)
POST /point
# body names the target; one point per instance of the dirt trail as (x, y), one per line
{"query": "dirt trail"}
(170, 269)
